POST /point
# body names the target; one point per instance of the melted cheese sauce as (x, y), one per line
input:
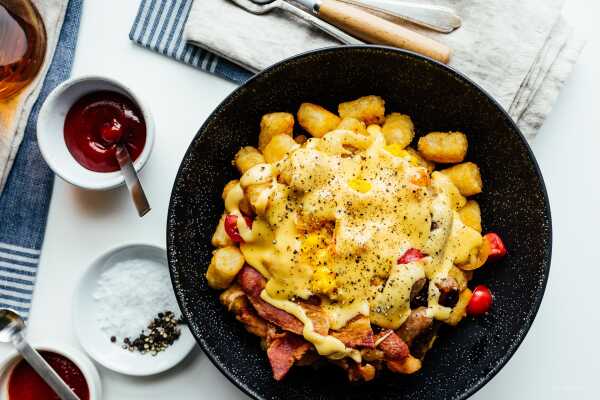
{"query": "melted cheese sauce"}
(334, 216)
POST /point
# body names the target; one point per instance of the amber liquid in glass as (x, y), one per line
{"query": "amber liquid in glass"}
(22, 46)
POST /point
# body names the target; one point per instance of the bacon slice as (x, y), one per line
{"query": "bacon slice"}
(253, 323)
(283, 351)
(318, 316)
(392, 346)
(356, 333)
(235, 300)
(253, 283)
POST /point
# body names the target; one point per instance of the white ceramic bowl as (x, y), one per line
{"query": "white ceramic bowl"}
(97, 343)
(83, 363)
(51, 139)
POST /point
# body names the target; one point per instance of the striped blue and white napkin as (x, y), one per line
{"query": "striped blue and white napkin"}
(26, 197)
(159, 25)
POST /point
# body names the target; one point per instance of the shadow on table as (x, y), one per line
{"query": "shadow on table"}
(154, 379)
(96, 203)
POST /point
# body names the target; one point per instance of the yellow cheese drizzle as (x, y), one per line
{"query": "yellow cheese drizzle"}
(379, 213)
(326, 345)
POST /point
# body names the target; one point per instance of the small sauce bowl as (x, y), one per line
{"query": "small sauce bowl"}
(84, 364)
(51, 138)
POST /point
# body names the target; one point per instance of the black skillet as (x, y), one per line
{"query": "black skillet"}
(514, 204)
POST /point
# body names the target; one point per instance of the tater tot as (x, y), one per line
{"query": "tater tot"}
(466, 177)
(369, 109)
(220, 238)
(278, 123)
(443, 184)
(227, 188)
(444, 147)
(398, 128)
(278, 147)
(470, 215)
(353, 124)
(226, 262)
(247, 157)
(316, 120)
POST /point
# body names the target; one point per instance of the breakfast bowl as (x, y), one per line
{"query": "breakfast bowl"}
(55, 144)
(514, 204)
(81, 362)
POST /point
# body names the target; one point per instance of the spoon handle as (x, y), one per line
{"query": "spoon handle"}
(35, 360)
(132, 181)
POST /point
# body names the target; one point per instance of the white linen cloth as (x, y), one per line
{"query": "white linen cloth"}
(15, 112)
(521, 51)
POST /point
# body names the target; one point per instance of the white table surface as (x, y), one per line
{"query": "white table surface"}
(559, 357)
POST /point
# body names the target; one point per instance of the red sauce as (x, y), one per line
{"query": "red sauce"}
(97, 122)
(25, 384)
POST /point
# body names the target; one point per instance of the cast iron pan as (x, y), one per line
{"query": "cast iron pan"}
(514, 204)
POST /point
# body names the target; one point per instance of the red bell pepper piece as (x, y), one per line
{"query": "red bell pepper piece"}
(410, 255)
(497, 247)
(231, 228)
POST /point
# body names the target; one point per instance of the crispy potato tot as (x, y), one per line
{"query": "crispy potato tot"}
(247, 157)
(230, 185)
(477, 258)
(398, 128)
(244, 204)
(353, 124)
(316, 120)
(278, 147)
(258, 196)
(278, 123)
(467, 240)
(466, 177)
(369, 109)
(460, 309)
(300, 139)
(470, 215)
(443, 184)
(220, 238)
(444, 147)
(430, 165)
(225, 264)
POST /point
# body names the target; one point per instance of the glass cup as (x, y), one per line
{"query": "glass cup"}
(22, 46)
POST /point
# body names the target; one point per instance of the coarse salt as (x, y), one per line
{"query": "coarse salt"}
(130, 294)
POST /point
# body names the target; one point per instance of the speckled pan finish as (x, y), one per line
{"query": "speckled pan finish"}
(514, 204)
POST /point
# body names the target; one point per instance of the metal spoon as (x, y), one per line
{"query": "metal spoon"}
(132, 180)
(267, 6)
(12, 331)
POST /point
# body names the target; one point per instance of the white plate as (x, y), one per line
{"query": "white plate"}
(97, 343)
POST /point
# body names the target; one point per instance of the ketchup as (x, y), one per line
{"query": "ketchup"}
(97, 122)
(25, 384)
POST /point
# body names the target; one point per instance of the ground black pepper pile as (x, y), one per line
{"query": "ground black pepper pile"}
(162, 332)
